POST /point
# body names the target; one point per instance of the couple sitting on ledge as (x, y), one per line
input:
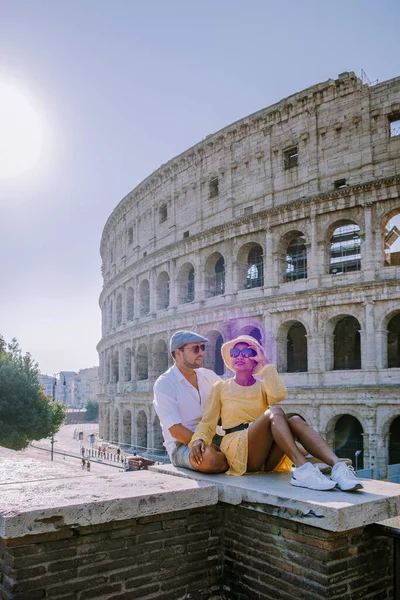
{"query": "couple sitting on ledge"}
(190, 402)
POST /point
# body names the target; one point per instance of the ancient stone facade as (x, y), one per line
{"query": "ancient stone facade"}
(279, 225)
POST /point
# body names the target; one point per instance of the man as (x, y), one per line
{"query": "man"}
(180, 395)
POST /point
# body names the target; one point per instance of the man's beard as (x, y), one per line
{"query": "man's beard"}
(193, 365)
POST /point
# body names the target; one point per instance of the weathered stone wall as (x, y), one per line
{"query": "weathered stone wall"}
(177, 219)
(176, 555)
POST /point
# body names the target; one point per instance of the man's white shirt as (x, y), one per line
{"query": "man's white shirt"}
(177, 401)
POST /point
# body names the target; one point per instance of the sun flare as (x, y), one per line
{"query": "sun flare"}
(21, 132)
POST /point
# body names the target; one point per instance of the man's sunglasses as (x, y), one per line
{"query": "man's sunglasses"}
(196, 349)
(245, 352)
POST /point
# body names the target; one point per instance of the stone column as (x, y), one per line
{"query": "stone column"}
(120, 364)
(172, 283)
(381, 348)
(229, 268)
(313, 262)
(270, 341)
(133, 429)
(368, 338)
(199, 279)
(329, 352)
(270, 279)
(367, 257)
(152, 292)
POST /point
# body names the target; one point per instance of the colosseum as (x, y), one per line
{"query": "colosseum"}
(284, 226)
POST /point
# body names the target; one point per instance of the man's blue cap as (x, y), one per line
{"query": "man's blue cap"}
(180, 338)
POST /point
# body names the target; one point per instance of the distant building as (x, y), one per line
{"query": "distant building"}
(72, 389)
(87, 385)
(47, 382)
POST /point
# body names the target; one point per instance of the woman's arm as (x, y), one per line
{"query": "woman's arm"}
(273, 384)
(205, 430)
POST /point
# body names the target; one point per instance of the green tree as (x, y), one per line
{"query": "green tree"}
(92, 410)
(26, 414)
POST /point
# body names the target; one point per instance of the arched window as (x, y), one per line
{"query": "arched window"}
(255, 268)
(141, 428)
(391, 239)
(296, 258)
(186, 284)
(252, 332)
(118, 309)
(297, 348)
(127, 364)
(144, 297)
(219, 363)
(115, 367)
(215, 275)
(345, 250)
(393, 342)
(142, 368)
(212, 355)
(162, 291)
(130, 305)
(349, 440)
(160, 358)
(394, 442)
(346, 346)
(127, 427)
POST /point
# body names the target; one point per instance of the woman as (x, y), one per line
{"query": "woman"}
(258, 435)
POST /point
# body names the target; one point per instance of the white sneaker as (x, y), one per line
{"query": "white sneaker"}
(346, 478)
(309, 476)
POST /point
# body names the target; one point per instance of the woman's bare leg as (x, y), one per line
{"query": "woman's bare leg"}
(312, 441)
(269, 431)
(274, 458)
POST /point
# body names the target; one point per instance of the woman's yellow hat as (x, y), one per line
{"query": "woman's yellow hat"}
(226, 348)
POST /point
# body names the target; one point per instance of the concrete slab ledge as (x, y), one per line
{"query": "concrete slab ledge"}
(271, 493)
(53, 496)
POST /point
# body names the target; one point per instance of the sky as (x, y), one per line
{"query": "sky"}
(102, 92)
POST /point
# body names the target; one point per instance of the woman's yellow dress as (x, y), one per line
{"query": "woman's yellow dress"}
(236, 404)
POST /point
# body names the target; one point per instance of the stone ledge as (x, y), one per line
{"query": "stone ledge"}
(272, 494)
(37, 498)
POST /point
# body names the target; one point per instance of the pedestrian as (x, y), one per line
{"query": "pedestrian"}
(83, 451)
(83, 463)
(88, 465)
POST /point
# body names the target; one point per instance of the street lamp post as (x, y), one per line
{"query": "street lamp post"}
(53, 400)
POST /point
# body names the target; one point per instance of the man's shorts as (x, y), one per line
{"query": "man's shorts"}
(180, 456)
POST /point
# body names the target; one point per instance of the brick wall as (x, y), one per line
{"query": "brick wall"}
(268, 557)
(220, 552)
(169, 557)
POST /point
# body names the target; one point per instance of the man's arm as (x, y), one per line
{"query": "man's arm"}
(181, 433)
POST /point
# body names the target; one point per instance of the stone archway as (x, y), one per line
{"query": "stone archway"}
(296, 346)
(394, 442)
(348, 439)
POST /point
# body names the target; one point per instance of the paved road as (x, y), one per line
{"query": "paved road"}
(68, 449)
